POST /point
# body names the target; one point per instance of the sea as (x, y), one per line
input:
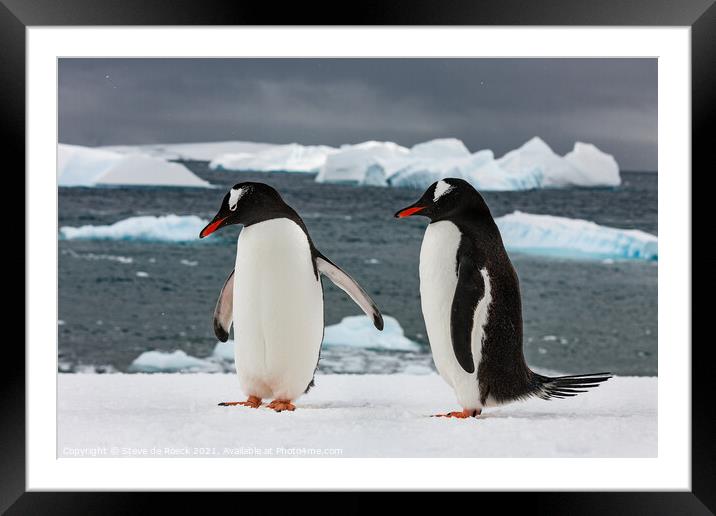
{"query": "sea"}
(121, 298)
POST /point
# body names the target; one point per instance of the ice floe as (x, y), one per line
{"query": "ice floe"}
(202, 151)
(533, 165)
(167, 228)
(351, 163)
(560, 236)
(524, 232)
(358, 331)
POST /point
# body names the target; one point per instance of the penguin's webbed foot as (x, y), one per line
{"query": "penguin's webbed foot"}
(464, 414)
(251, 402)
(281, 405)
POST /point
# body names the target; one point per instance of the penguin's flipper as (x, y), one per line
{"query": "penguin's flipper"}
(469, 291)
(223, 312)
(350, 287)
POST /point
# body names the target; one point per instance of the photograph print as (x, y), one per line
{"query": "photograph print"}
(384, 257)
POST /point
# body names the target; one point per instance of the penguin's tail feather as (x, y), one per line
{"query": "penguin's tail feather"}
(567, 386)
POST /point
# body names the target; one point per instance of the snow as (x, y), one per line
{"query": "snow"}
(560, 236)
(167, 228)
(358, 331)
(346, 416)
(278, 158)
(204, 151)
(87, 166)
(533, 165)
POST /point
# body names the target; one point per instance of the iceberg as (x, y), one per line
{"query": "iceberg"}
(585, 165)
(86, 166)
(351, 163)
(440, 148)
(479, 169)
(167, 228)
(524, 232)
(358, 331)
(221, 360)
(534, 165)
(204, 151)
(360, 415)
(278, 158)
(536, 159)
(177, 361)
(560, 236)
(598, 167)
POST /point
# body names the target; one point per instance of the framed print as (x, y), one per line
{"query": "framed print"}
(434, 249)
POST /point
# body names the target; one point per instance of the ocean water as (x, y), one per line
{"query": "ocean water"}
(118, 299)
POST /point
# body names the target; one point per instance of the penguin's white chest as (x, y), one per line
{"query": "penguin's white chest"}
(278, 310)
(438, 282)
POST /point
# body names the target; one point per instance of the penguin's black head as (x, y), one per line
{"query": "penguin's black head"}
(446, 199)
(247, 203)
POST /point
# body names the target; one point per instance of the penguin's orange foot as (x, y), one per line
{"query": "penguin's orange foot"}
(281, 405)
(252, 402)
(461, 415)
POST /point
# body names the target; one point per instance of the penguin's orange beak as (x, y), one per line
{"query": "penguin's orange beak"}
(407, 212)
(211, 227)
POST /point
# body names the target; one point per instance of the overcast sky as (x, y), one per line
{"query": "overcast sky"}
(487, 103)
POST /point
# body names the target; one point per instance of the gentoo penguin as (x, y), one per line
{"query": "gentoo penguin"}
(274, 297)
(470, 297)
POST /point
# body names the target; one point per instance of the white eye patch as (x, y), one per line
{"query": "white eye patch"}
(441, 189)
(234, 197)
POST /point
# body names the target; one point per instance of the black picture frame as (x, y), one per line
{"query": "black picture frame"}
(17, 15)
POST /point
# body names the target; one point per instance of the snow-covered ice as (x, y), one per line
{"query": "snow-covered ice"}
(278, 158)
(347, 416)
(560, 236)
(358, 331)
(533, 165)
(87, 166)
(167, 228)
(221, 360)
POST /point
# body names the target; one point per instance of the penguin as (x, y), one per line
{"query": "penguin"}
(274, 297)
(470, 299)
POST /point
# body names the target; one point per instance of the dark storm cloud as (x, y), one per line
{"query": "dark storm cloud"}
(487, 103)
